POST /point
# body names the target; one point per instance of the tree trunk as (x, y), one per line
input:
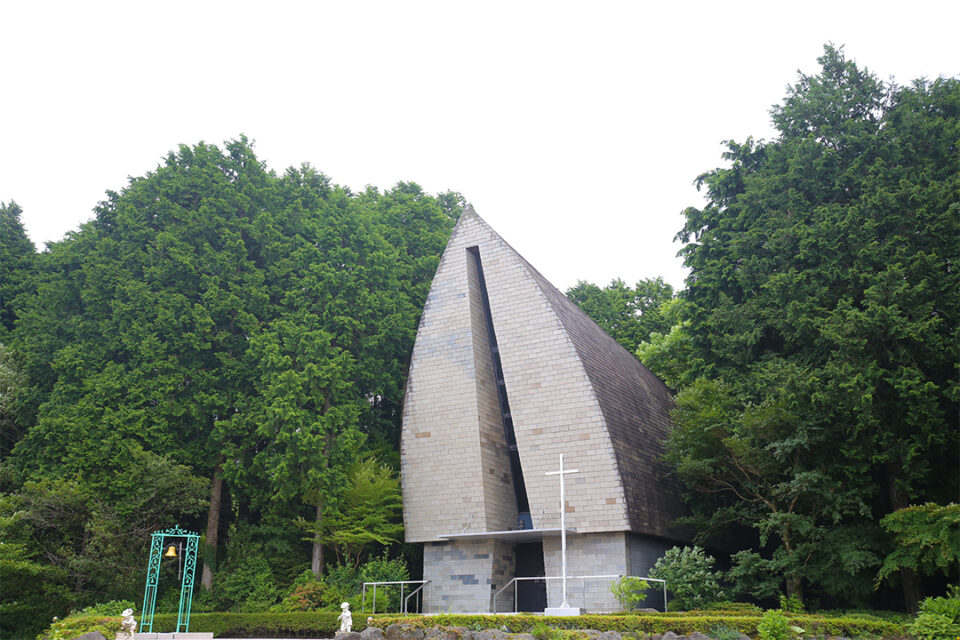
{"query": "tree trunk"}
(213, 530)
(795, 588)
(908, 577)
(316, 564)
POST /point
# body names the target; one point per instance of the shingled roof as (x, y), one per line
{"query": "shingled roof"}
(636, 405)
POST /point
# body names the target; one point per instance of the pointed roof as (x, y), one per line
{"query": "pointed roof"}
(572, 389)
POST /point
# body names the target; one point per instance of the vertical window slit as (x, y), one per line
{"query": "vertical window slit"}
(520, 490)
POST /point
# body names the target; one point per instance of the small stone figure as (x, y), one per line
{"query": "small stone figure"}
(127, 625)
(345, 618)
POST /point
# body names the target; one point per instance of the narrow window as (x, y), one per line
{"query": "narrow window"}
(520, 490)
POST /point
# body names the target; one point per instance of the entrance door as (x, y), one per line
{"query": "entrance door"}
(531, 594)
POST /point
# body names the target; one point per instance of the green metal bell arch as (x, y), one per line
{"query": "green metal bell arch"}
(157, 541)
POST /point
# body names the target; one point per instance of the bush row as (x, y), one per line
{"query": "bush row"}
(324, 624)
(652, 623)
(302, 624)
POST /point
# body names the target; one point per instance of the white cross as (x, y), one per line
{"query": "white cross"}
(563, 528)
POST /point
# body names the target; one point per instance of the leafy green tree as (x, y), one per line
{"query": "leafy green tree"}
(12, 380)
(670, 355)
(927, 540)
(629, 591)
(66, 546)
(254, 327)
(369, 513)
(17, 255)
(629, 315)
(691, 580)
(821, 304)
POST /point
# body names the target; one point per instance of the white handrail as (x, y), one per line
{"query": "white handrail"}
(415, 591)
(363, 598)
(513, 582)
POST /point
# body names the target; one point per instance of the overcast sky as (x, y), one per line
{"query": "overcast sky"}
(575, 129)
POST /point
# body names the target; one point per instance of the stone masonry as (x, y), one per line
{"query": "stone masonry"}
(572, 390)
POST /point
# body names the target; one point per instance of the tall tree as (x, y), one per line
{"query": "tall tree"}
(628, 314)
(823, 282)
(252, 327)
(17, 255)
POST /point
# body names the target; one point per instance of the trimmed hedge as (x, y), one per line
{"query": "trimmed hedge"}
(653, 623)
(524, 623)
(73, 626)
(319, 624)
(300, 624)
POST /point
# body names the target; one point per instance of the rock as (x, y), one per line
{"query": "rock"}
(590, 633)
(462, 633)
(491, 634)
(91, 635)
(609, 635)
(523, 636)
(441, 633)
(669, 635)
(347, 635)
(372, 633)
(696, 635)
(403, 632)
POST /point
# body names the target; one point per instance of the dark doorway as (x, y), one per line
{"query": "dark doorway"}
(531, 594)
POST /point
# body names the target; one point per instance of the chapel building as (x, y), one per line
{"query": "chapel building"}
(506, 375)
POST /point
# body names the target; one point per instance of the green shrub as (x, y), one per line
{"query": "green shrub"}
(73, 626)
(103, 617)
(650, 623)
(629, 591)
(690, 578)
(542, 631)
(249, 586)
(723, 632)
(344, 584)
(774, 625)
(168, 600)
(307, 595)
(312, 624)
(112, 608)
(733, 607)
(323, 624)
(385, 569)
(939, 618)
(791, 604)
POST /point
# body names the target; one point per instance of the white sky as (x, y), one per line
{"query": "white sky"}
(575, 129)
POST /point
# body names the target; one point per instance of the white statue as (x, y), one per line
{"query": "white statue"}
(345, 618)
(127, 625)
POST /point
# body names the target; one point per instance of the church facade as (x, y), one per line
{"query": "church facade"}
(506, 375)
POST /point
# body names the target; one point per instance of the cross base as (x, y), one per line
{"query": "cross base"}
(561, 611)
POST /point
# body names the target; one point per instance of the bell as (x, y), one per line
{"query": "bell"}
(171, 551)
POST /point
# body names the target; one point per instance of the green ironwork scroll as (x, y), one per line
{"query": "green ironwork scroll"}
(188, 552)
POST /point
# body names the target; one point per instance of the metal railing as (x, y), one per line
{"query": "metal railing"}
(403, 600)
(582, 580)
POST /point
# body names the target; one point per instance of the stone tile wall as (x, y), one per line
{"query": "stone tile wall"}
(465, 574)
(589, 554)
(455, 478)
(455, 470)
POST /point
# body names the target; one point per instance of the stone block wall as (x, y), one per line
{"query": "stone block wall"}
(571, 389)
(588, 554)
(450, 405)
(464, 574)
